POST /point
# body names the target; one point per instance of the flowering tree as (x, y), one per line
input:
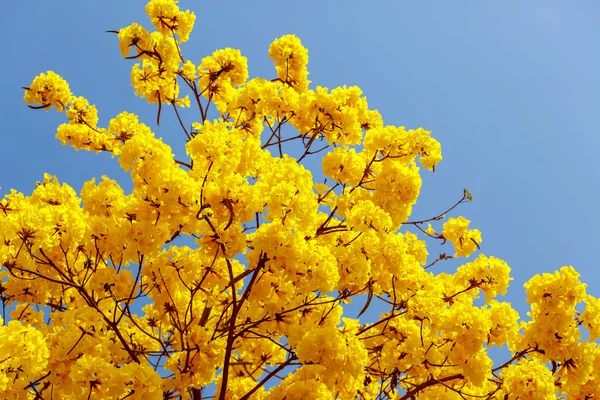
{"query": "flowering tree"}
(254, 310)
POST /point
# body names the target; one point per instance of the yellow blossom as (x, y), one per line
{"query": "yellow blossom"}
(464, 240)
(48, 90)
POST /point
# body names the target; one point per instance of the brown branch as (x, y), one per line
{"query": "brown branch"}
(269, 376)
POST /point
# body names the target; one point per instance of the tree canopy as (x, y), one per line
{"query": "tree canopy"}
(106, 302)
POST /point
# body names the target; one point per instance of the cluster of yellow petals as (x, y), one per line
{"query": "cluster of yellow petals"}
(291, 60)
(464, 240)
(48, 90)
(169, 20)
(261, 294)
(155, 78)
(220, 73)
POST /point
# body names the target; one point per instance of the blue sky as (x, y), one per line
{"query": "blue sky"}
(510, 89)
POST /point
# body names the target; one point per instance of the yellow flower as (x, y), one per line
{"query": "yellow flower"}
(430, 231)
(189, 70)
(591, 317)
(223, 65)
(528, 379)
(166, 17)
(464, 240)
(48, 90)
(291, 59)
(134, 36)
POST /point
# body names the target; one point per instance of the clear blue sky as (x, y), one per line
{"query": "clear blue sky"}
(510, 88)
